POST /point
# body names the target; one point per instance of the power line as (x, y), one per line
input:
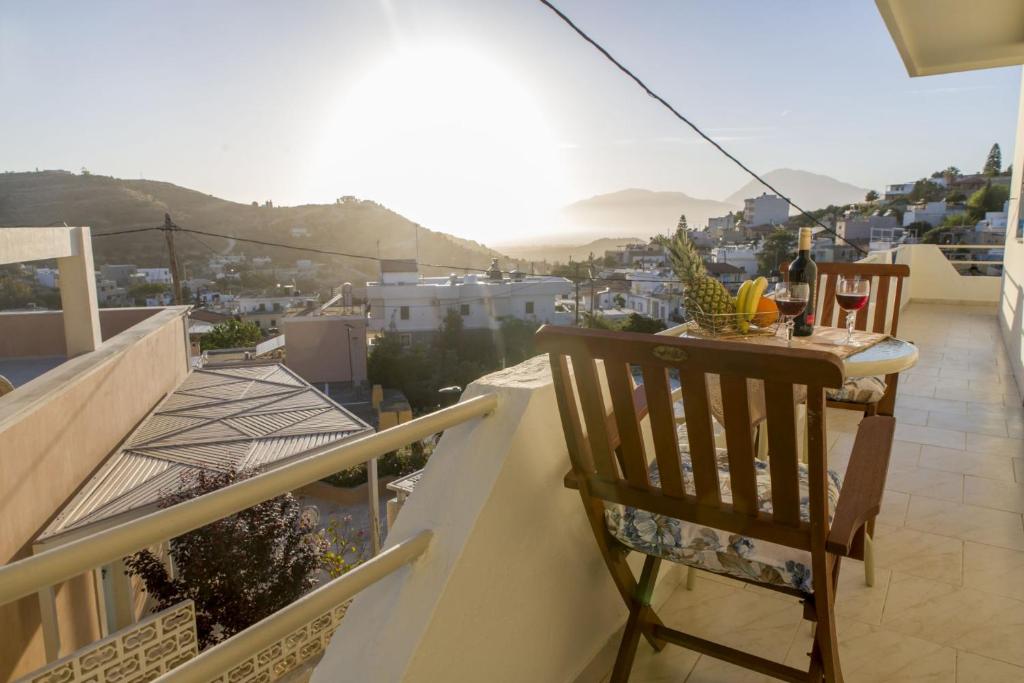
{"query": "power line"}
(561, 15)
(192, 232)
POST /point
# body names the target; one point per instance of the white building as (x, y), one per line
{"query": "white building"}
(929, 212)
(994, 221)
(768, 209)
(415, 306)
(656, 294)
(743, 256)
(156, 276)
(48, 277)
(267, 304)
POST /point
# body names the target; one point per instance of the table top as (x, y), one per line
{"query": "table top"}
(884, 358)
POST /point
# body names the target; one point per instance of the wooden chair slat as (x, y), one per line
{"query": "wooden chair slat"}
(897, 301)
(739, 440)
(828, 306)
(594, 415)
(783, 452)
(663, 430)
(631, 443)
(701, 436)
(881, 303)
(576, 441)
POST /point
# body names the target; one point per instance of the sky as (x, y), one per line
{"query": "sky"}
(480, 119)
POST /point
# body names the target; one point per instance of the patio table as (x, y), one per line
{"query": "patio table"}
(885, 356)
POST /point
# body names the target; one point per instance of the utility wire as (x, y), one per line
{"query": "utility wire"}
(192, 232)
(561, 15)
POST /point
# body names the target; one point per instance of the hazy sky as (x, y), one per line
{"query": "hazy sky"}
(477, 117)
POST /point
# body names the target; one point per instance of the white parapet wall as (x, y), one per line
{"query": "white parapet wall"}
(513, 587)
(933, 278)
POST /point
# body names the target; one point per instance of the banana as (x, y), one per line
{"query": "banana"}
(742, 299)
(757, 291)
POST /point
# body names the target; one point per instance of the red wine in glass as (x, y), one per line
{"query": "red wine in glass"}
(851, 302)
(852, 295)
(791, 307)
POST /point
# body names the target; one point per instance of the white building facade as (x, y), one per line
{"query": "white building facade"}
(768, 209)
(416, 306)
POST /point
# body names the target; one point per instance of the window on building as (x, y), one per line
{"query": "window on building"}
(464, 309)
(405, 340)
(273, 323)
(263, 307)
(403, 312)
(529, 308)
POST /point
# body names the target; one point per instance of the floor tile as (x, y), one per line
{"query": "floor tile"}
(994, 445)
(966, 522)
(968, 619)
(994, 570)
(930, 435)
(919, 553)
(1001, 495)
(993, 425)
(926, 482)
(1018, 470)
(966, 462)
(869, 654)
(972, 668)
(894, 508)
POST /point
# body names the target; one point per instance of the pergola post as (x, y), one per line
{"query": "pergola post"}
(78, 296)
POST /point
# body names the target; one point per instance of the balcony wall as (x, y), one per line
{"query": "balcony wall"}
(41, 333)
(513, 587)
(54, 431)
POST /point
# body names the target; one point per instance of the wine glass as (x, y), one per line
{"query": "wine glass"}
(791, 299)
(852, 294)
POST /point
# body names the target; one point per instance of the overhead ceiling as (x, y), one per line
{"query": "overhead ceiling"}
(945, 36)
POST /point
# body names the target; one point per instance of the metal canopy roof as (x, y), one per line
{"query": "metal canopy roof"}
(249, 417)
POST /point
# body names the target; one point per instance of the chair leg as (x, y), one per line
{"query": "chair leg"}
(825, 653)
(869, 560)
(639, 612)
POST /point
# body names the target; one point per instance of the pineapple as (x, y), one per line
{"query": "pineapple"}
(702, 293)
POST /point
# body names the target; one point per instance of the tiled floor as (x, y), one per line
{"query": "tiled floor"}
(948, 604)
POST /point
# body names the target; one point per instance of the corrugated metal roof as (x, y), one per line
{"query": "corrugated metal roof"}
(223, 419)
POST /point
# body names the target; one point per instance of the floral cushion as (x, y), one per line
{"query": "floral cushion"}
(859, 390)
(715, 550)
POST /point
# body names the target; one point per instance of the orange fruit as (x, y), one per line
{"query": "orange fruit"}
(767, 312)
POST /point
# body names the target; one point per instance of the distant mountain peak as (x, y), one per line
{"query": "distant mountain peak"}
(809, 190)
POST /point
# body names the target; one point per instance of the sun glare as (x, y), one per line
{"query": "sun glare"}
(451, 140)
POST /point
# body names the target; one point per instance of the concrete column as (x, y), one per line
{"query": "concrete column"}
(48, 617)
(78, 296)
(124, 614)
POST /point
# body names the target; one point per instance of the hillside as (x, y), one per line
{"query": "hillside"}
(107, 204)
(563, 252)
(809, 190)
(639, 212)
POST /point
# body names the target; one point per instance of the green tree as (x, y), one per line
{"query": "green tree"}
(871, 196)
(682, 224)
(641, 323)
(238, 570)
(994, 161)
(989, 198)
(15, 293)
(779, 246)
(926, 191)
(231, 334)
(139, 293)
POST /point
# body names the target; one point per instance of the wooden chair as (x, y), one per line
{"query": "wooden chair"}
(616, 474)
(885, 279)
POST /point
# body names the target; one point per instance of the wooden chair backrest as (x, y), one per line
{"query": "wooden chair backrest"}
(610, 459)
(885, 278)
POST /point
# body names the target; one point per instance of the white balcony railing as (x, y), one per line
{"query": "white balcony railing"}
(26, 577)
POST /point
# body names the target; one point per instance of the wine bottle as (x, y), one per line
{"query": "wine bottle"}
(803, 269)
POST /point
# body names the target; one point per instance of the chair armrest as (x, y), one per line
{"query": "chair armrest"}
(860, 499)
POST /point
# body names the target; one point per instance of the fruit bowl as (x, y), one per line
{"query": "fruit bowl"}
(725, 325)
